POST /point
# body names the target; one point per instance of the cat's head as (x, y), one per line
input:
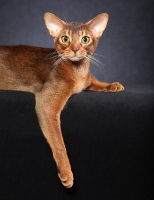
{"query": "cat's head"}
(75, 41)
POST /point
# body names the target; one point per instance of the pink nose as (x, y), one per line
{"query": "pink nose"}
(75, 49)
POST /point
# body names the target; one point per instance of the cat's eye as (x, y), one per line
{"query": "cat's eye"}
(65, 39)
(85, 40)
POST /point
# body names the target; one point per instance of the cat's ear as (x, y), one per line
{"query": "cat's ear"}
(98, 24)
(53, 24)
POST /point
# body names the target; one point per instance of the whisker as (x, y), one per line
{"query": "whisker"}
(64, 58)
(59, 60)
(50, 54)
(55, 52)
(56, 62)
(52, 57)
(95, 61)
(99, 55)
(64, 18)
(55, 59)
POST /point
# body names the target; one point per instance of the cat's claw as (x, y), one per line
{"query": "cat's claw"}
(66, 178)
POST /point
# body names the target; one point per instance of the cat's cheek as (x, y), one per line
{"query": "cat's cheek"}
(87, 49)
(60, 48)
(90, 50)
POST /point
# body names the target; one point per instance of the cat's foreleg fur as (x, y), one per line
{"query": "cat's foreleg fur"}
(48, 109)
(105, 87)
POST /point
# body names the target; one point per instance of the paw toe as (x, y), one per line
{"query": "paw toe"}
(66, 179)
(117, 87)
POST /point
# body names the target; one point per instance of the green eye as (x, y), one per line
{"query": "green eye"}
(65, 39)
(85, 40)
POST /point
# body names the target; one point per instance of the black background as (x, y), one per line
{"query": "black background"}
(127, 42)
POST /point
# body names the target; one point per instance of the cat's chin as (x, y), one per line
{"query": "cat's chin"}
(75, 58)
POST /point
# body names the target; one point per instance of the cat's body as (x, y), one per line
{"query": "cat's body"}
(54, 75)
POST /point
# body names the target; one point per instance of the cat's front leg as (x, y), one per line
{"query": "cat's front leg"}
(48, 108)
(105, 87)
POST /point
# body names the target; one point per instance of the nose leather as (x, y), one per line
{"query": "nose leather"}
(75, 49)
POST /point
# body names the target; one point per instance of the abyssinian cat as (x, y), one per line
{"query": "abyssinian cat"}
(53, 75)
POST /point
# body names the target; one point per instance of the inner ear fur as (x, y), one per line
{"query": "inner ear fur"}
(98, 24)
(53, 24)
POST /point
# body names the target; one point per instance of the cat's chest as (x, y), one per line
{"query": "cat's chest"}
(80, 74)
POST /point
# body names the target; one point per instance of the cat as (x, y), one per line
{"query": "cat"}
(53, 75)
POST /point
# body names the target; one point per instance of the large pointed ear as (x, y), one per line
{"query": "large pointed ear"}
(53, 24)
(98, 24)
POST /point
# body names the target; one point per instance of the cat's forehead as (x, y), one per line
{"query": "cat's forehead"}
(75, 28)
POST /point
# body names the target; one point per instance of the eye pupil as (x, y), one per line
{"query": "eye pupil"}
(65, 39)
(85, 39)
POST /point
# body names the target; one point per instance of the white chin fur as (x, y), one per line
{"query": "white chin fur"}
(74, 58)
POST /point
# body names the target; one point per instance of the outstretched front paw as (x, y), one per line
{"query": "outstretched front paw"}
(66, 177)
(114, 87)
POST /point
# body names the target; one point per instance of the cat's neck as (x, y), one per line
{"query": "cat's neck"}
(78, 64)
(75, 69)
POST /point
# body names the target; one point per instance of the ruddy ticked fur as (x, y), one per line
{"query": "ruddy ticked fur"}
(53, 75)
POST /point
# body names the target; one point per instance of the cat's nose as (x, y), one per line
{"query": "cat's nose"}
(75, 49)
